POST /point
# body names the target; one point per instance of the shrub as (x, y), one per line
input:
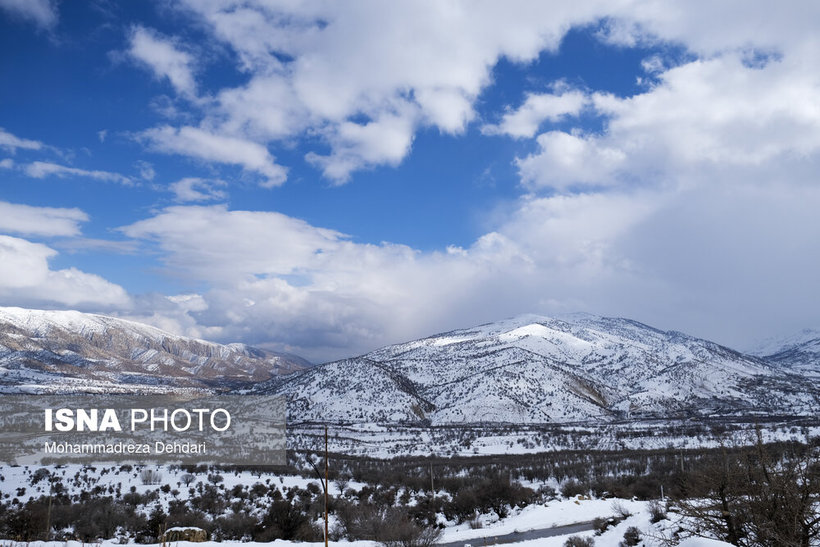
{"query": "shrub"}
(632, 537)
(572, 488)
(657, 511)
(620, 510)
(600, 525)
(579, 541)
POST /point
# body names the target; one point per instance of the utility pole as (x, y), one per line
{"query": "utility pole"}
(326, 485)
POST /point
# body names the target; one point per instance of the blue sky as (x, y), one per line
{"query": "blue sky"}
(327, 177)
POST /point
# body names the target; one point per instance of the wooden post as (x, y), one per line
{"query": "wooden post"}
(327, 485)
(48, 515)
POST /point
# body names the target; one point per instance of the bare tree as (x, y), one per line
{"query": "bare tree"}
(766, 496)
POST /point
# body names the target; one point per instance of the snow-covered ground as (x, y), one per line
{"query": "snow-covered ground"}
(387, 441)
(533, 517)
(16, 483)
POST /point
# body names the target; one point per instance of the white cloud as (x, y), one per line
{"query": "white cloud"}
(721, 111)
(207, 146)
(12, 143)
(715, 259)
(702, 116)
(537, 108)
(355, 146)
(7, 163)
(41, 221)
(163, 58)
(366, 77)
(42, 169)
(275, 278)
(41, 12)
(322, 68)
(146, 170)
(26, 279)
(564, 160)
(196, 189)
(247, 243)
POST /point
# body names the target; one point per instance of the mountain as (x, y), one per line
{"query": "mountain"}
(799, 353)
(534, 369)
(65, 350)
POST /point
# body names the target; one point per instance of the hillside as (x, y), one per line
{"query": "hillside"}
(64, 350)
(534, 369)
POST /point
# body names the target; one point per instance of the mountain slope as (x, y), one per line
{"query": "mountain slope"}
(72, 350)
(535, 369)
(799, 353)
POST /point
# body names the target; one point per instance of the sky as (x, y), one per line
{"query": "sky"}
(328, 177)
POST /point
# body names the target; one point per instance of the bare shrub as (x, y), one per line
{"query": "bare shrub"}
(150, 476)
(579, 541)
(657, 511)
(621, 512)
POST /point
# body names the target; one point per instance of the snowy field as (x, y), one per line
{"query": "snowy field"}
(388, 441)
(534, 517)
(17, 484)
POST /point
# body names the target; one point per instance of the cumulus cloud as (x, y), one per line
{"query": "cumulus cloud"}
(40, 221)
(43, 13)
(42, 169)
(208, 146)
(26, 279)
(703, 115)
(193, 236)
(164, 58)
(356, 146)
(323, 68)
(365, 78)
(12, 143)
(536, 109)
(564, 160)
(197, 189)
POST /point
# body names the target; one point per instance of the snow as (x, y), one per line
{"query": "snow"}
(542, 516)
(536, 517)
(773, 345)
(533, 369)
(703, 542)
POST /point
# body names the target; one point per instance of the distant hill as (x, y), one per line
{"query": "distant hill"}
(68, 350)
(799, 353)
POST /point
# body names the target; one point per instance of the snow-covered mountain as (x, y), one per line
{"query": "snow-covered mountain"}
(535, 369)
(799, 353)
(60, 350)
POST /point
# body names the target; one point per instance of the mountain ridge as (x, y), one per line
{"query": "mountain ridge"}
(532, 369)
(75, 350)
(526, 369)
